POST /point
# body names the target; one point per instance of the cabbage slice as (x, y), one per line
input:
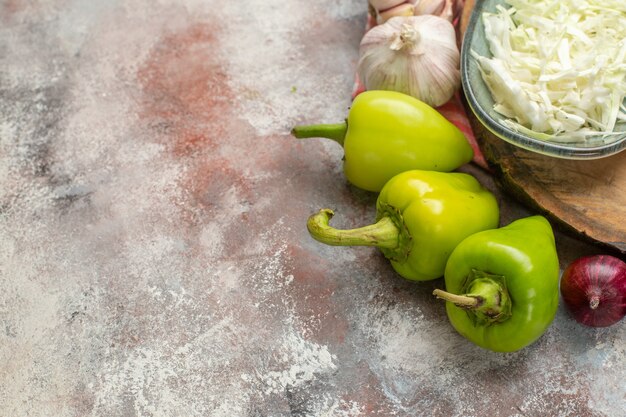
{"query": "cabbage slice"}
(558, 67)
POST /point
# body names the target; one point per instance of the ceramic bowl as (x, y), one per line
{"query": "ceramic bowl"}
(481, 102)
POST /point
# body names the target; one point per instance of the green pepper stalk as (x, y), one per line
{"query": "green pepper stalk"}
(387, 133)
(503, 285)
(421, 216)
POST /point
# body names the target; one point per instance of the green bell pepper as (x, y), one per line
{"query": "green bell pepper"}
(421, 217)
(503, 285)
(387, 133)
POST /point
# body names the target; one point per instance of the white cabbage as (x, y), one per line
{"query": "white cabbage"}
(558, 66)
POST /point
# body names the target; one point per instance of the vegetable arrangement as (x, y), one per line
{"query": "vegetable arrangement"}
(502, 284)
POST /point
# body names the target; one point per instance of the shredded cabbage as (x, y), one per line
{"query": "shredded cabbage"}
(558, 68)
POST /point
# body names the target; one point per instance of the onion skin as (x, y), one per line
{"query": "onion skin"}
(594, 290)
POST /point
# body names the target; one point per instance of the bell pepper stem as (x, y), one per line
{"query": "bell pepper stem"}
(383, 234)
(458, 300)
(336, 132)
(487, 297)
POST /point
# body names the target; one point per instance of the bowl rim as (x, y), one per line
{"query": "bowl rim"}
(554, 149)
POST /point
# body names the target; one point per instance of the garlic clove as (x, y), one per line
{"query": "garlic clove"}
(434, 7)
(404, 9)
(447, 9)
(382, 5)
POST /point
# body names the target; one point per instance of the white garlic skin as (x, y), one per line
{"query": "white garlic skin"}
(415, 55)
(434, 7)
(381, 5)
(404, 9)
(448, 9)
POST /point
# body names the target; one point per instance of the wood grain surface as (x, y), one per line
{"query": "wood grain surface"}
(587, 198)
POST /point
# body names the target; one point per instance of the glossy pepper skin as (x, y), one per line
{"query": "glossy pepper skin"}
(421, 217)
(387, 133)
(503, 285)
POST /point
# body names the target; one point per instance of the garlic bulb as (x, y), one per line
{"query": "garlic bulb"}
(416, 55)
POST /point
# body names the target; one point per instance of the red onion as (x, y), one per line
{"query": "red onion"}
(594, 290)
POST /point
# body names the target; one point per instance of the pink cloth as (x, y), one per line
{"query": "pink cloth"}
(453, 110)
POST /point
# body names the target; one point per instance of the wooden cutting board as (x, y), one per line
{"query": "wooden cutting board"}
(587, 198)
